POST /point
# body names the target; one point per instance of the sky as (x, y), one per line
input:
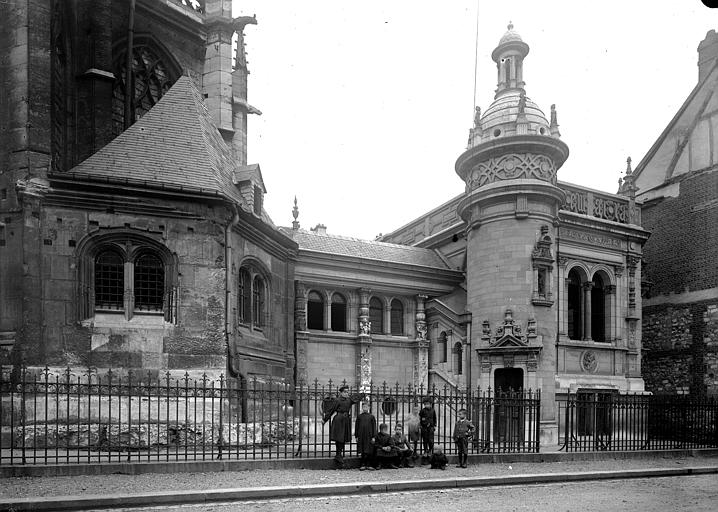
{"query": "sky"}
(367, 105)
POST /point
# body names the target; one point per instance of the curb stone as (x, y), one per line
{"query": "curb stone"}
(66, 503)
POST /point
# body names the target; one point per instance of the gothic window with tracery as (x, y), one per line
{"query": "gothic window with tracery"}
(151, 78)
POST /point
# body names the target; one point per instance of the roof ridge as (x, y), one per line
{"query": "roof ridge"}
(362, 240)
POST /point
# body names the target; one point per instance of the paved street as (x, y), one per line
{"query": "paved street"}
(690, 493)
(23, 487)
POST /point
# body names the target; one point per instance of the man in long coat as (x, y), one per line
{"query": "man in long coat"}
(340, 428)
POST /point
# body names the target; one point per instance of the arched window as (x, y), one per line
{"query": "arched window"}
(339, 313)
(244, 296)
(575, 309)
(258, 293)
(252, 293)
(459, 358)
(442, 347)
(376, 315)
(315, 311)
(397, 317)
(149, 283)
(598, 309)
(109, 280)
(152, 75)
(126, 271)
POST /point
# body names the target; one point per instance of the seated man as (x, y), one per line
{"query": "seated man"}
(386, 454)
(403, 449)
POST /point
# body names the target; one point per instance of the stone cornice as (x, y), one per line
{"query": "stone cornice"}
(335, 270)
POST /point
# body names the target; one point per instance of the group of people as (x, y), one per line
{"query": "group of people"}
(379, 449)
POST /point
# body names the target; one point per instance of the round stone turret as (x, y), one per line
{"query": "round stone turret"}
(511, 211)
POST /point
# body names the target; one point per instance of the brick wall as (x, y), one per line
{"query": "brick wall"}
(680, 255)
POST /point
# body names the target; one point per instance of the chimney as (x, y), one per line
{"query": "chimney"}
(319, 229)
(707, 54)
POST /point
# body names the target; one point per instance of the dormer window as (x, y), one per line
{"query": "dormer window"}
(258, 197)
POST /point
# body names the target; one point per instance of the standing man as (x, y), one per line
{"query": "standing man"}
(340, 428)
(427, 423)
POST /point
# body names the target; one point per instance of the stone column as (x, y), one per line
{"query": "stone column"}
(620, 332)
(387, 318)
(327, 311)
(587, 287)
(420, 377)
(301, 335)
(364, 342)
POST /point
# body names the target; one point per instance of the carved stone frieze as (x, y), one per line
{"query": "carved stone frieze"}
(610, 210)
(576, 202)
(602, 207)
(512, 166)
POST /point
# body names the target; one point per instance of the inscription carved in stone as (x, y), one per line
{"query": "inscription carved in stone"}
(610, 210)
(576, 202)
(604, 241)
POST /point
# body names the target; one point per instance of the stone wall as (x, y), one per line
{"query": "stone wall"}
(681, 348)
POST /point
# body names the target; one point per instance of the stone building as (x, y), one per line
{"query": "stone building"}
(132, 231)
(678, 182)
(541, 278)
(133, 234)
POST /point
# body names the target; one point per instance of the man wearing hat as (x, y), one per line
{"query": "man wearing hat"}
(340, 428)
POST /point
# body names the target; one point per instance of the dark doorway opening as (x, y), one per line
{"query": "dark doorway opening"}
(509, 409)
(508, 379)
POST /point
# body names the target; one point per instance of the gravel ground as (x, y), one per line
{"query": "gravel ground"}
(27, 487)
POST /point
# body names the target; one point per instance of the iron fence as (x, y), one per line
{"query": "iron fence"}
(600, 420)
(71, 417)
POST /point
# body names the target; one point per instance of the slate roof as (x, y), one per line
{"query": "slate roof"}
(364, 249)
(175, 145)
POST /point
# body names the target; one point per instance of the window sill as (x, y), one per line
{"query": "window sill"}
(116, 319)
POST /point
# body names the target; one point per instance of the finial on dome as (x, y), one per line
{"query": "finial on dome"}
(295, 214)
(553, 127)
(510, 26)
